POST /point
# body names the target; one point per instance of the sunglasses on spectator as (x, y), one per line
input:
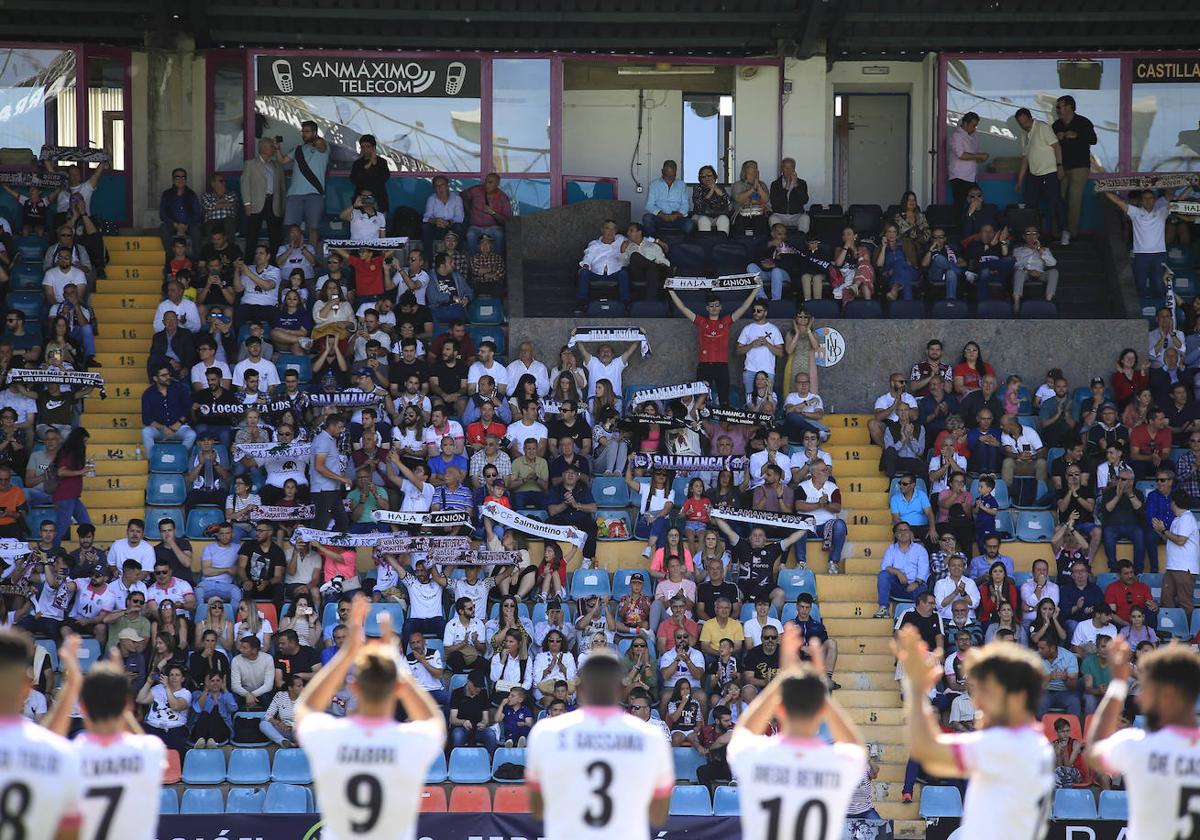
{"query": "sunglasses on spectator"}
(637, 707)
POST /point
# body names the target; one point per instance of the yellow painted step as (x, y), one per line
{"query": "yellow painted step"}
(897, 811)
(101, 419)
(869, 531)
(149, 283)
(143, 259)
(864, 645)
(116, 450)
(110, 440)
(853, 452)
(880, 734)
(130, 404)
(867, 485)
(130, 379)
(849, 435)
(847, 628)
(849, 469)
(853, 698)
(834, 588)
(117, 498)
(108, 534)
(866, 662)
(140, 346)
(116, 273)
(888, 717)
(107, 466)
(114, 482)
(133, 242)
(121, 360)
(114, 515)
(110, 312)
(147, 302)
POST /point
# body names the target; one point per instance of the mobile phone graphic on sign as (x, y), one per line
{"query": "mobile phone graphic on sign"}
(282, 69)
(456, 74)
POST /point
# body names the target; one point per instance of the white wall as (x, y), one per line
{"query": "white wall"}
(808, 121)
(600, 131)
(755, 117)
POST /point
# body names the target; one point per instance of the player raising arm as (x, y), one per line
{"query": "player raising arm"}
(118, 762)
(1162, 766)
(797, 780)
(605, 771)
(368, 771)
(39, 771)
(1008, 760)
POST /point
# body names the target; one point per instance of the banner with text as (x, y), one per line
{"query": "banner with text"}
(688, 463)
(724, 283)
(766, 518)
(41, 180)
(602, 335)
(367, 76)
(73, 154)
(427, 519)
(669, 392)
(948, 828)
(511, 519)
(1165, 181)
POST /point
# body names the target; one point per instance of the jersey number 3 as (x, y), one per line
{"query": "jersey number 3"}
(601, 773)
(773, 807)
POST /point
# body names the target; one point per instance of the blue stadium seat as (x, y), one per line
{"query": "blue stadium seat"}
(470, 766)
(690, 801)
(371, 625)
(286, 799)
(620, 580)
(994, 310)
(32, 247)
(489, 332)
(1006, 524)
(51, 648)
(779, 310)
(795, 581)
(507, 755)
(38, 515)
(1104, 579)
(486, 310)
(204, 767)
(200, 518)
(1173, 621)
(153, 514)
(623, 515)
(168, 801)
(1074, 804)
(255, 716)
(725, 801)
(940, 801)
(30, 303)
(245, 801)
(291, 766)
(728, 256)
(1038, 310)
(906, 309)
(894, 486)
(202, 801)
(649, 309)
(1001, 492)
(689, 259)
(301, 364)
(864, 309)
(26, 277)
(686, 762)
(1035, 525)
(1019, 578)
(1114, 805)
(89, 654)
(168, 457)
(587, 582)
(823, 310)
(167, 489)
(437, 772)
(679, 488)
(944, 309)
(457, 681)
(610, 491)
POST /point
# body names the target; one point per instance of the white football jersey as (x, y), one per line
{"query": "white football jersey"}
(369, 773)
(39, 781)
(1011, 772)
(1162, 775)
(89, 603)
(794, 786)
(600, 768)
(118, 773)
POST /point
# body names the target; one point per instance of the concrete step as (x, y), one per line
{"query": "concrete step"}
(865, 528)
(139, 344)
(111, 483)
(112, 516)
(846, 469)
(108, 438)
(912, 827)
(125, 374)
(102, 419)
(150, 283)
(861, 608)
(877, 733)
(117, 450)
(130, 404)
(853, 452)
(862, 485)
(113, 498)
(867, 646)
(133, 242)
(870, 681)
(106, 466)
(147, 302)
(848, 435)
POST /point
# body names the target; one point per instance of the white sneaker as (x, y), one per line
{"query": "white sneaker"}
(833, 569)
(1066, 238)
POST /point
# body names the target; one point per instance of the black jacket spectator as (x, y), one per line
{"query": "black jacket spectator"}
(789, 202)
(181, 343)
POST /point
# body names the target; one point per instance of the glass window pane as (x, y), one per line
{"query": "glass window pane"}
(1166, 135)
(106, 108)
(521, 115)
(527, 194)
(415, 134)
(996, 88)
(228, 111)
(37, 102)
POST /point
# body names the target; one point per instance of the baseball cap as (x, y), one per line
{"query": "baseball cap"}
(638, 576)
(450, 233)
(1097, 380)
(97, 569)
(362, 371)
(129, 634)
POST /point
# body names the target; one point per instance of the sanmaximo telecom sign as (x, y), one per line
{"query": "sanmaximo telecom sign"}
(319, 76)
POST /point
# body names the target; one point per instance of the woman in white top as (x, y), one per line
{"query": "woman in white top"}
(762, 399)
(511, 666)
(304, 619)
(250, 622)
(216, 619)
(655, 506)
(552, 664)
(596, 641)
(414, 484)
(509, 620)
(168, 701)
(331, 307)
(303, 573)
(239, 505)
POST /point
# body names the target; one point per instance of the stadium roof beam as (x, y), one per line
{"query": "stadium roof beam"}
(930, 43)
(545, 42)
(978, 19)
(521, 16)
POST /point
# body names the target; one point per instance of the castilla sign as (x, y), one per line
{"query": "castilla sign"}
(1156, 71)
(310, 75)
